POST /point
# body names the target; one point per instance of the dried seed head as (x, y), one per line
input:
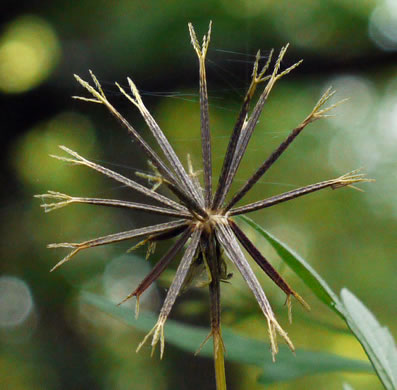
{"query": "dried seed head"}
(203, 221)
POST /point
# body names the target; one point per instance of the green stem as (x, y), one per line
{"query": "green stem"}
(219, 360)
(214, 263)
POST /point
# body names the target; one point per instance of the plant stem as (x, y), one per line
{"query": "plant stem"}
(219, 361)
(214, 263)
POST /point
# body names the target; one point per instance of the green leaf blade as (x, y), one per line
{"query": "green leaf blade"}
(239, 349)
(376, 340)
(306, 363)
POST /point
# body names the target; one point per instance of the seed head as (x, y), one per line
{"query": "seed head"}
(200, 219)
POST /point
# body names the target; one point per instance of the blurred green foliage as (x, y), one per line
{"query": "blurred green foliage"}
(48, 340)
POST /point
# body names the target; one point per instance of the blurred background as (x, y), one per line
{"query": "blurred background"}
(51, 341)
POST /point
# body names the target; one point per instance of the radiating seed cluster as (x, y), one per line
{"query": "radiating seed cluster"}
(202, 220)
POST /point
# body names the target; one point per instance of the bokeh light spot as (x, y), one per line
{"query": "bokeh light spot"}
(387, 121)
(361, 98)
(16, 301)
(29, 51)
(353, 146)
(123, 275)
(30, 156)
(383, 25)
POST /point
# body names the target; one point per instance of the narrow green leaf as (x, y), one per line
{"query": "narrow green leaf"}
(376, 340)
(190, 341)
(238, 348)
(288, 366)
(304, 270)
